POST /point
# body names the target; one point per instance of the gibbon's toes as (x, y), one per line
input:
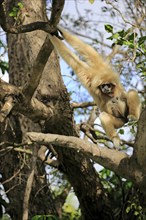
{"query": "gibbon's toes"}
(132, 118)
(116, 142)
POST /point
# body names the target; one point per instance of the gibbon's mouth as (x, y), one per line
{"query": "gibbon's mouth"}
(110, 94)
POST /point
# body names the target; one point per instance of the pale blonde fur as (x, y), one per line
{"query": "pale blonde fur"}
(92, 73)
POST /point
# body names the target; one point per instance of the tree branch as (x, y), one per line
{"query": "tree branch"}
(37, 69)
(38, 25)
(29, 185)
(57, 7)
(140, 142)
(49, 27)
(45, 51)
(117, 161)
(7, 107)
(13, 98)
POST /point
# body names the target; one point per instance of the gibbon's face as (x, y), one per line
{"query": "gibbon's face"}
(107, 88)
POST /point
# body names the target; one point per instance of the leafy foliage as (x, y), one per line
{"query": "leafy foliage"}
(16, 10)
(45, 217)
(134, 42)
(3, 66)
(125, 198)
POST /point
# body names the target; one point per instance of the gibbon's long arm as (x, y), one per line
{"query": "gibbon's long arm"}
(94, 71)
(80, 67)
(90, 55)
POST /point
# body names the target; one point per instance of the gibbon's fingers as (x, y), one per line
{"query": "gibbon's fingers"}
(71, 59)
(91, 56)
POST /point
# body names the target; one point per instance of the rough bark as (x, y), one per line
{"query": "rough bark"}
(23, 50)
(42, 88)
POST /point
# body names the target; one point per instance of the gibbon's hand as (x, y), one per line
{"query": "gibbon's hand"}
(132, 118)
(58, 34)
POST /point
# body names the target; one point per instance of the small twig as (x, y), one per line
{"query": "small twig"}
(122, 16)
(6, 109)
(115, 50)
(29, 185)
(12, 177)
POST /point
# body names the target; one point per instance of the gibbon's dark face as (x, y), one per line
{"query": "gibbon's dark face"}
(107, 88)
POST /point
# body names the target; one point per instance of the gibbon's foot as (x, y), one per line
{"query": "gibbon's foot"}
(116, 142)
(132, 118)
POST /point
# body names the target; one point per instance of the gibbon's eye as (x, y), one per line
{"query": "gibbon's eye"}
(106, 88)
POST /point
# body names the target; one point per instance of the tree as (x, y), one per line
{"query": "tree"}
(37, 117)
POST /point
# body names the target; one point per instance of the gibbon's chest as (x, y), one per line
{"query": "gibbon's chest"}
(115, 106)
(101, 100)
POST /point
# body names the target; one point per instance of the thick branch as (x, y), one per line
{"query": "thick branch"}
(13, 98)
(38, 25)
(45, 51)
(57, 7)
(35, 110)
(37, 69)
(50, 27)
(140, 143)
(114, 160)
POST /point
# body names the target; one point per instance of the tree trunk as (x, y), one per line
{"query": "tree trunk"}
(22, 51)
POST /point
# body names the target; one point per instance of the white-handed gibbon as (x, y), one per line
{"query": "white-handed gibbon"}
(115, 104)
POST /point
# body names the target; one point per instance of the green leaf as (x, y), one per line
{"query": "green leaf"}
(110, 38)
(128, 209)
(12, 14)
(91, 1)
(136, 213)
(141, 40)
(115, 36)
(20, 5)
(44, 217)
(3, 66)
(121, 131)
(15, 9)
(109, 28)
(121, 33)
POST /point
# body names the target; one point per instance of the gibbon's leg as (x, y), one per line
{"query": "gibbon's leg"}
(109, 124)
(134, 105)
(91, 55)
(71, 59)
